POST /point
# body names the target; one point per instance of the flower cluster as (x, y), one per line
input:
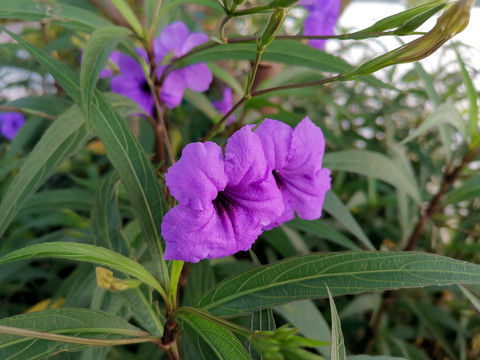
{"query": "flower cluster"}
(227, 200)
(321, 20)
(174, 41)
(10, 124)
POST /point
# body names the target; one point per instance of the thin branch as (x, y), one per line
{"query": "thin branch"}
(223, 119)
(448, 179)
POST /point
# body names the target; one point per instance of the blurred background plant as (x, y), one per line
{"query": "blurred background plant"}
(403, 148)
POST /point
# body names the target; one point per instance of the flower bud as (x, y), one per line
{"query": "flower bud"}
(106, 280)
(452, 21)
(274, 25)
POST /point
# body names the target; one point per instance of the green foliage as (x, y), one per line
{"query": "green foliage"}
(82, 186)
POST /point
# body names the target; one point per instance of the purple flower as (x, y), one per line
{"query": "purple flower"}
(174, 41)
(223, 106)
(224, 201)
(132, 83)
(295, 155)
(323, 15)
(10, 123)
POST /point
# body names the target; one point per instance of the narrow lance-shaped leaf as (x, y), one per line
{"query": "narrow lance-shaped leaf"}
(99, 47)
(63, 138)
(337, 347)
(106, 221)
(88, 325)
(334, 206)
(373, 164)
(69, 16)
(212, 340)
(472, 99)
(354, 272)
(87, 253)
(125, 153)
(444, 114)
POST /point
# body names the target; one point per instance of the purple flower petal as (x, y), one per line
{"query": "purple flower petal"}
(193, 235)
(135, 87)
(172, 38)
(276, 139)
(198, 77)
(299, 175)
(245, 161)
(10, 124)
(198, 176)
(193, 40)
(212, 221)
(223, 106)
(321, 20)
(173, 88)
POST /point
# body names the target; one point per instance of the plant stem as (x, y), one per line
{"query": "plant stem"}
(448, 179)
(223, 119)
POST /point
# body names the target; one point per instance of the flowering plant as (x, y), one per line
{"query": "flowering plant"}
(215, 223)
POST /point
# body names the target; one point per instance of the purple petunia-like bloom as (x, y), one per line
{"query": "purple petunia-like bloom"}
(295, 157)
(224, 201)
(174, 41)
(223, 106)
(10, 124)
(323, 15)
(131, 81)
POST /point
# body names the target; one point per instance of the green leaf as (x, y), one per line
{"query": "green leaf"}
(282, 51)
(334, 206)
(130, 16)
(202, 103)
(354, 272)
(82, 323)
(306, 316)
(323, 230)
(97, 51)
(472, 98)
(87, 253)
(176, 3)
(375, 165)
(124, 152)
(62, 139)
(106, 220)
(220, 73)
(337, 347)
(42, 104)
(399, 19)
(71, 17)
(141, 307)
(444, 114)
(212, 340)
